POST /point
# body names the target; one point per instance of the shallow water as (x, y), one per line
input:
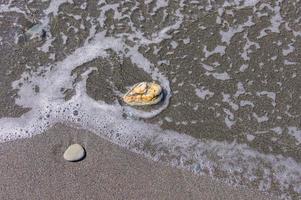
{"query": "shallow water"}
(230, 69)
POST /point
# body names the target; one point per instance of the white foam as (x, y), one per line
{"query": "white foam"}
(288, 62)
(174, 44)
(276, 20)
(217, 75)
(64, 38)
(84, 5)
(47, 44)
(247, 50)
(186, 40)
(227, 98)
(54, 6)
(240, 89)
(217, 50)
(246, 103)
(271, 95)
(277, 130)
(8, 8)
(260, 119)
(168, 119)
(241, 3)
(239, 162)
(296, 132)
(226, 36)
(220, 76)
(289, 50)
(160, 4)
(243, 67)
(203, 93)
(229, 119)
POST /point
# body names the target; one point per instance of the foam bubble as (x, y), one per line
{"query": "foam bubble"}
(239, 162)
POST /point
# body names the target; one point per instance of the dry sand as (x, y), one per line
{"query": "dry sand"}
(35, 169)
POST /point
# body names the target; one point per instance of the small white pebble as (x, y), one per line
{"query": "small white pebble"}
(74, 152)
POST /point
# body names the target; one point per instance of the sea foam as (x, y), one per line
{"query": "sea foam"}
(239, 162)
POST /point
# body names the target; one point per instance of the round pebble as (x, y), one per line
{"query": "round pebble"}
(74, 152)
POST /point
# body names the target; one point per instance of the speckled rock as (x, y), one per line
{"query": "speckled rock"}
(74, 152)
(144, 93)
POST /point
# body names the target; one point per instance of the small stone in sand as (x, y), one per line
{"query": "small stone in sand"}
(74, 152)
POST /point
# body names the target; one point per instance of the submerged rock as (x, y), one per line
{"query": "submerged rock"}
(144, 93)
(74, 152)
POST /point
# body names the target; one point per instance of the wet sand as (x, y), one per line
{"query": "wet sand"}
(35, 169)
(239, 67)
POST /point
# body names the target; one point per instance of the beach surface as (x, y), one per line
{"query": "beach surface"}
(231, 109)
(35, 169)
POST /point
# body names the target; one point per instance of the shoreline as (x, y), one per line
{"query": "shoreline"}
(108, 171)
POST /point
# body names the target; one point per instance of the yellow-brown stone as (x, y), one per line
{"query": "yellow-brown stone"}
(144, 93)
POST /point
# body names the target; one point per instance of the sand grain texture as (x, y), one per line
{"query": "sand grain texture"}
(35, 169)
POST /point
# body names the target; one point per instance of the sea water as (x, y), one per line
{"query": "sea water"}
(231, 72)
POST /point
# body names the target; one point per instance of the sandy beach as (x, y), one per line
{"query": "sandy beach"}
(230, 74)
(35, 169)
